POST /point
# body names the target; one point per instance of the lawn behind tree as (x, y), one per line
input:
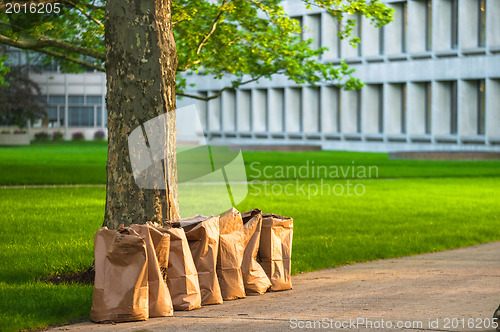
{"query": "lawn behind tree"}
(411, 207)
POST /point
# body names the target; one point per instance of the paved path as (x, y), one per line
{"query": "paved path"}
(439, 288)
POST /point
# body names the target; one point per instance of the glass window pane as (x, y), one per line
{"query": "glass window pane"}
(403, 108)
(428, 25)
(73, 113)
(454, 24)
(454, 109)
(428, 108)
(56, 99)
(75, 100)
(99, 116)
(381, 108)
(481, 98)
(52, 113)
(91, 100)
(482, 23)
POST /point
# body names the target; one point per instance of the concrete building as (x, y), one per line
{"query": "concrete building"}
(432, 83)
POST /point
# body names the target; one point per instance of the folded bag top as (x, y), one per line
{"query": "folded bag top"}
(275, 220)
(182, 276)
(203, 236)
(275, 250)
(230, 255)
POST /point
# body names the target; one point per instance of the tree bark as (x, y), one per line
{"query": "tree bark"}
(141, 62)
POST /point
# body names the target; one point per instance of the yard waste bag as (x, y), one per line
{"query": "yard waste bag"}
(276, 250)
(182, 276)
(158, 247)
(121, 277)
(230, 256)
(203, 235)
(254, 277)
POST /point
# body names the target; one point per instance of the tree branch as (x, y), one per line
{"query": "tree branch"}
(217, 95)
(74, 60)
(84, 13)
(40, 44)
(14, 43)
(214, 25)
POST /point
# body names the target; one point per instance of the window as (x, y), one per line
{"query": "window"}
(339, 113)
(481, 104)
(57, 100)
(482, 23)
(98, 116)
(381, 108)
(404, 24)
(403, 108)
(91, 100)
(453, 108)
(428, 25)
(75, 100)
(314, 30)
(81, 116)
(299, 21)
(428, 107)
(454, 24)
(358, 24)
(358, 111)
(381, 41)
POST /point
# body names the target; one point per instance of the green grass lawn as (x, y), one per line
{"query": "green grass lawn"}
(418, 206)
(85, 163)
(54, 163)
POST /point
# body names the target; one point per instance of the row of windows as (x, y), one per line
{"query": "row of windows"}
(412, 30)
(83, 116)
(421, 108)
(75, 100)
(83, 111)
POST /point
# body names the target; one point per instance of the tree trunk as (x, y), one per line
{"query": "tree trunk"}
(141, 62)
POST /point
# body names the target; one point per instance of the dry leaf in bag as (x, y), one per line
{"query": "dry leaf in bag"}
(276, 250)
(121, 277)
(230, 256)
(158, 247)
(203, 236)
(254, 277)
(182, 277)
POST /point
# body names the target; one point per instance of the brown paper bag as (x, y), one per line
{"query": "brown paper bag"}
(254, 277)
(182, 277)
(230, 256)
(121, 277)
(203, 236)
(158, 246)
(276, 250)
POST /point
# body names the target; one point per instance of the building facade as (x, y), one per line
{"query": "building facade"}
(432, 83)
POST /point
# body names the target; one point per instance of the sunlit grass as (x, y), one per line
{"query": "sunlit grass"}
(413, 207)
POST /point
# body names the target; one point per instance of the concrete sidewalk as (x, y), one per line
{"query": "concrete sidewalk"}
(423, 292)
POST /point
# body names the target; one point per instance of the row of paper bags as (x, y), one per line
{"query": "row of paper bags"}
(146, 271)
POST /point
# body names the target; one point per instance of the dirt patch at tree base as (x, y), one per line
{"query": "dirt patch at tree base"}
(83, 277)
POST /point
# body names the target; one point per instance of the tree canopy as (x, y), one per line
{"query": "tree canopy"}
(246, 39)
(20, 98)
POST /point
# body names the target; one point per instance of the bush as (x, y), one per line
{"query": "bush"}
(78, 136)
(5, 131)
(20, 131)
(99, 135)
(42, 136)
(57, 136)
